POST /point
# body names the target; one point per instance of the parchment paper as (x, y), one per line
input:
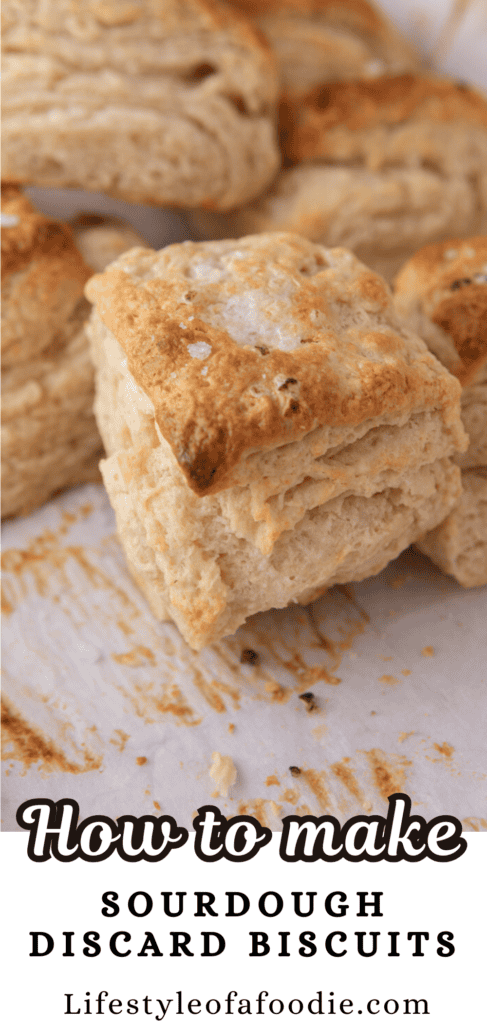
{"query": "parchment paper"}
(107, 706)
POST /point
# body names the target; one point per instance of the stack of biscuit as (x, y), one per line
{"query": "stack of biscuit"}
(49, 435)
(272, 427)
(273, 423)
(442, 292)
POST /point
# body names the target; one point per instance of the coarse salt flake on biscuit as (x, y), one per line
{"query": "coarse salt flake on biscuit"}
(314, 448)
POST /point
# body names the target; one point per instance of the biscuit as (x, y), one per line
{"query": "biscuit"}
(272, 427)
(170, 103)
(317, 41)
(49, 435)
(442, 293)
(381, 167)
(459, 544)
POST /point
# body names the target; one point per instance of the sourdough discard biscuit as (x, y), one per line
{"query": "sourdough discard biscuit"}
(169, 102)
(381, 167)
(49, 435)
(272, 428)
(316, 41)
(459, 544)
(442, 293)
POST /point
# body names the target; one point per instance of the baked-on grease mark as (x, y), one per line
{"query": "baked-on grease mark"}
(428, 651)
(150, 702)
(444, 748)
(120, 739)
(388, 771)
(316, 782)
(272, 780)
(256, 809)
(137, 656)
(475, 824)
(44, 557)
(21, 742)
(342, 771)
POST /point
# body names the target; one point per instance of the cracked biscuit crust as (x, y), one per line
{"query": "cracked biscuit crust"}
(245, 346)
(169, 102)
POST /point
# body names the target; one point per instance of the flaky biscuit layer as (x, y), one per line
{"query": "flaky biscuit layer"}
(168, 103)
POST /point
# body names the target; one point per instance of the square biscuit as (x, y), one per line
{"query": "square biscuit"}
(49, 435)
(165, 102)
(272, 427)
(381, 167)
(459, 544)
(442, 293)
(316, 41)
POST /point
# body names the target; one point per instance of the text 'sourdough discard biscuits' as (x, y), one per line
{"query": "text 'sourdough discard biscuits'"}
(442, 294)
(169, 102)
(317, 41)
(272, 428)
(49, 435)
(381, 167)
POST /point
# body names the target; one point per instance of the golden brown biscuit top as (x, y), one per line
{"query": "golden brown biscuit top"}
(247, 344)
(361, 106)
(28, 234)
(449, 279)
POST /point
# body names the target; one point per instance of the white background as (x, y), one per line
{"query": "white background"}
(431, 897)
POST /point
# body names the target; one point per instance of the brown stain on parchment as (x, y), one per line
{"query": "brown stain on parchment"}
(255, 809)
(119, 739)
(289, 796)
(388, 771)
(7, 606)
(150, 703)
(272, 780)
(444, 748)
(137, 656)
(345, 775)
(475, 824)
(316, 782)
(21, 742)
(45, 557)
(208, 691)
(389, 680)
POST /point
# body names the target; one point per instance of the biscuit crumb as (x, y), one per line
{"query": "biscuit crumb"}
(223, 771)
(248, 656)
(141, 760)
(428, 652)
(295, 770)
(231, 727)
(309, 700)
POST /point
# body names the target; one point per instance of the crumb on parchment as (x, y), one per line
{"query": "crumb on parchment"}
(223, 772)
